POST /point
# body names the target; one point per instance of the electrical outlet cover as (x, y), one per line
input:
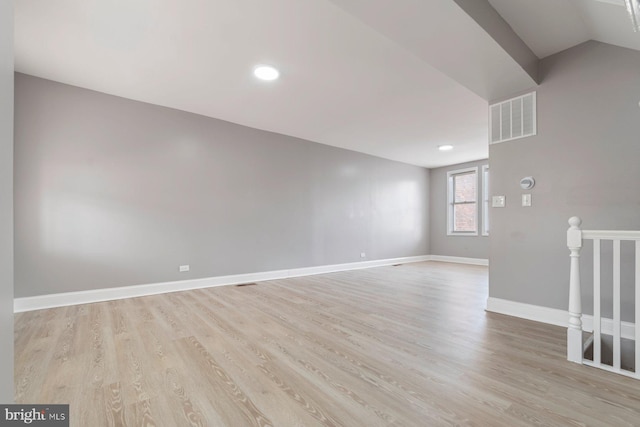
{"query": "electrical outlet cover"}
(498, 201)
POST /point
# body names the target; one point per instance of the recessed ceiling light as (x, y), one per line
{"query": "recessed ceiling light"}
(265, 72)
(445, 147)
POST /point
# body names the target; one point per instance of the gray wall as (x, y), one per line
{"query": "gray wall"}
(113, 192)
(6, 201)
(440, 243)
(585, 160)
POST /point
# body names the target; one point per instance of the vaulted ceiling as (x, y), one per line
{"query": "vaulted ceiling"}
(391, 79)
(550, 26)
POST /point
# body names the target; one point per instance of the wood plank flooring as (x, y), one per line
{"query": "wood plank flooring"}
(393, 346)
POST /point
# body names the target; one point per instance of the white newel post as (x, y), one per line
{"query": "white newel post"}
(574, 332)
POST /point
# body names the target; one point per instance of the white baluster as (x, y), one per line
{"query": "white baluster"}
(574, 331)
(617, 356)
(597, 317)
(637, 310)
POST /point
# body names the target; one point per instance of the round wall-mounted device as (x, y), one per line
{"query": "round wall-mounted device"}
(527, 183)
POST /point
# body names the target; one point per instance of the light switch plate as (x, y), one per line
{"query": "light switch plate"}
(526, 200)
(498, 201)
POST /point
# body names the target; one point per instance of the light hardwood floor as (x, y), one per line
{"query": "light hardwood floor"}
(405, 346)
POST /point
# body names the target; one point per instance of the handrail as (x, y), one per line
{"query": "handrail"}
(575, 346)
(611, 234)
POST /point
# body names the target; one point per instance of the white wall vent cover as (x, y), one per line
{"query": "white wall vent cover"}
(512, 119)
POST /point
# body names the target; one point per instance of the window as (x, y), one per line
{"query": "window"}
(485, 200)
(462, 214)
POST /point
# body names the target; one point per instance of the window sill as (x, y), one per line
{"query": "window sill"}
(451, 233)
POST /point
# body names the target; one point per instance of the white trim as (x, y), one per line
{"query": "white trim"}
(537, 313)
(614, 2)
(460, 260)
(553, 316)
(611, 369)
(450, 175)
(611, 234)
(485, 203)
(627, 328)
(108, 294)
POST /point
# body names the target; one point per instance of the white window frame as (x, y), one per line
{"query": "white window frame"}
(450, 204)
(485, 200)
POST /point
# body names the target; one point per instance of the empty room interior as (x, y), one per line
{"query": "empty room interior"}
(321, 212)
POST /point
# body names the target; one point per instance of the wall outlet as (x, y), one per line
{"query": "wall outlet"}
(498, 201)
(184, 268)
(363, 255)
(526, 200)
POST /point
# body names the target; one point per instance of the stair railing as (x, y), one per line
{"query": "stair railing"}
(575, 344)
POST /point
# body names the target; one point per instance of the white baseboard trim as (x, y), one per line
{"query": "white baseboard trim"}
(537, 313)
(554, 316)
(108, 294)
(460, 260)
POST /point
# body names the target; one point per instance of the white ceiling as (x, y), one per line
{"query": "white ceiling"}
(394, 82)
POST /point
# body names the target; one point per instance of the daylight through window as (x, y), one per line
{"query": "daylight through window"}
(463, 201)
